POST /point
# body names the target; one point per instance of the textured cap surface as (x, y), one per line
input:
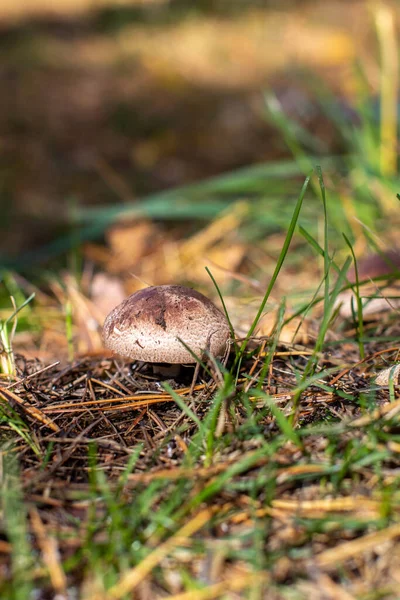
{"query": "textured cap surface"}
(146, 325)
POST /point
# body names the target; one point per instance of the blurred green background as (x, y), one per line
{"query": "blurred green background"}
(105, 104)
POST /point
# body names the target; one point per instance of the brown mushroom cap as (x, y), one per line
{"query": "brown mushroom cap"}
(146, 326)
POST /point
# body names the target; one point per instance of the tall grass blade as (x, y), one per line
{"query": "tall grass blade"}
(359, 322)
(281, 258)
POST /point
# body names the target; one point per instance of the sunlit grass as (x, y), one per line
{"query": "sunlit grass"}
(7, 331)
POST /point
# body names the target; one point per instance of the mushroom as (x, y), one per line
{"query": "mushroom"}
(149, 325)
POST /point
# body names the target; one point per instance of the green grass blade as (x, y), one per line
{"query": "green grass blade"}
(281, 258)
(282, 421)
(359, 322)
(185, 408)
(15, 523)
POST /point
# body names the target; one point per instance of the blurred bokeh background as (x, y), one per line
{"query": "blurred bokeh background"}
(103, 101)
